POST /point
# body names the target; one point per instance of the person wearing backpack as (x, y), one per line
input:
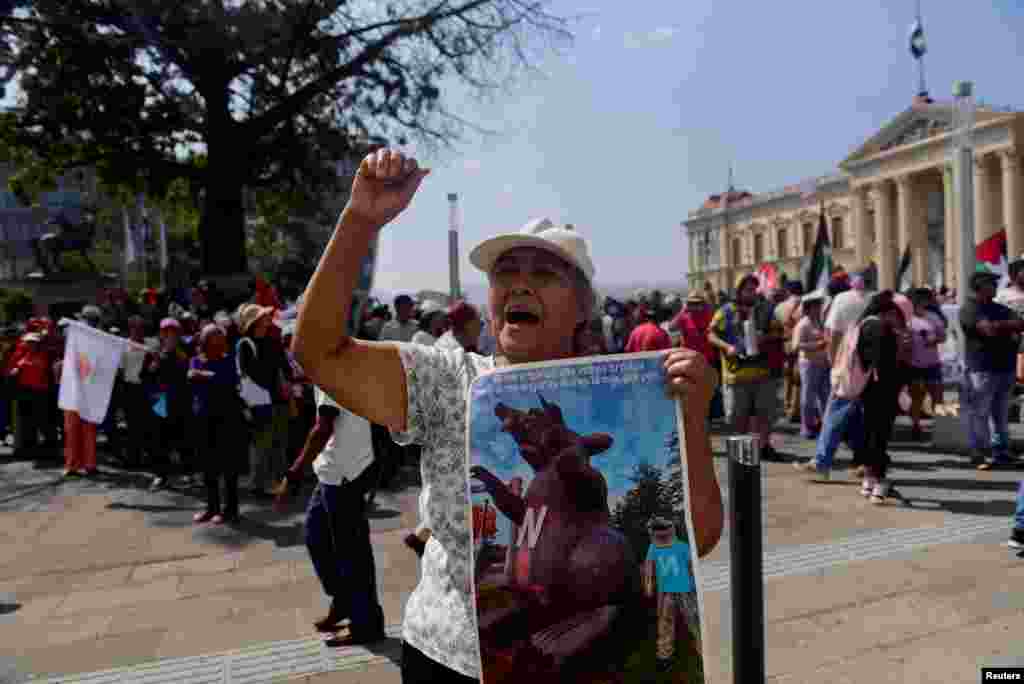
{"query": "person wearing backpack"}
(749, 388)
(991, 339)
(866, 379)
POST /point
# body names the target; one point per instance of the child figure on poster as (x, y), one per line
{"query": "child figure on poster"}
(668, 577)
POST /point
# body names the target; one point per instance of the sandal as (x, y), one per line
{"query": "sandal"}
(203, 517)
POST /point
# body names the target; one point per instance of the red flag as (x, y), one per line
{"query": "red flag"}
(991, 252)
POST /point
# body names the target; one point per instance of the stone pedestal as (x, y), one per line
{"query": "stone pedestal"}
(62, 292)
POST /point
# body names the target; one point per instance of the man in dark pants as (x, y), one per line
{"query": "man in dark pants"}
(337, 531)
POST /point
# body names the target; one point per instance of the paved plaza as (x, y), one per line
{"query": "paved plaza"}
(103, 581)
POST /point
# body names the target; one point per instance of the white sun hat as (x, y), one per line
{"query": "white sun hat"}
(562, 241)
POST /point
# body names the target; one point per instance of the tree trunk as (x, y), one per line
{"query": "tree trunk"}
(222, 225)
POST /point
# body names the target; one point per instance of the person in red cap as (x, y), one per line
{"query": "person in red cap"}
(647, 335)
(465, 328)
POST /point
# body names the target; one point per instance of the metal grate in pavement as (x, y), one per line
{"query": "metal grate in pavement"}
(280, 660)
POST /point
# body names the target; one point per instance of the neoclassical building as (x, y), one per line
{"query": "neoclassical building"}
(888, 195)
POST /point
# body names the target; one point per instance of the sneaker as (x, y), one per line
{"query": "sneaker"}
(217, 519)
(158, 484)
(978, 458)
(1016, 539)
(991, 463)
(879, 492)
(809, 467)
(71, 474)
(867, 488)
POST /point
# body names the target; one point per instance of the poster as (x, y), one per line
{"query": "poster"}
(583, 570)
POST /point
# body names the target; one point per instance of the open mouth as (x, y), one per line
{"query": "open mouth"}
(522, 318)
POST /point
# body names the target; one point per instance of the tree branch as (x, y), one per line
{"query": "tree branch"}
(298, 100)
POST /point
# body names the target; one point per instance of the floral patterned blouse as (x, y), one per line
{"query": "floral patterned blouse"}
(439, 617)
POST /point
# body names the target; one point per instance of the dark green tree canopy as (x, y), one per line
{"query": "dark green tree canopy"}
(233, 95)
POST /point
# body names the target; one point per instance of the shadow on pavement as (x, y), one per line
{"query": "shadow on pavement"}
(390, 648)
(978, 485)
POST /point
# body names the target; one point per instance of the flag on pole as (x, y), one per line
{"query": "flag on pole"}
(918, 48)
(91, 360)
(819, 270)
(163, 244)
(129, 240)
(991, 256)
(904, 272)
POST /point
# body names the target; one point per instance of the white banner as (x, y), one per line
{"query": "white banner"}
(91, 360)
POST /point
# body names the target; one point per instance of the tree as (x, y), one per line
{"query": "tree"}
(264, 94)
(649, 497)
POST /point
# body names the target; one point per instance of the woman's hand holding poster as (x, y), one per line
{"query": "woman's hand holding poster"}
(583, 570)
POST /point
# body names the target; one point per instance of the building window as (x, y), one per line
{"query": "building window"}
(737, 252)
(783, 242)
(838, 239)
(758, 248)
(808, 229)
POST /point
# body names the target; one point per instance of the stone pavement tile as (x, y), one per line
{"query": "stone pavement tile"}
(97, 600)
(121, 650)
(172, 616)
(302, 595)
(955, 655)
(260, 578)
(21, 636)
(204, 565)
(35, 609)
(232, 633)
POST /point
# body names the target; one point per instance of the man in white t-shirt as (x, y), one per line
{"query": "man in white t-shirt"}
(337, 531)
(843, 313)
(403, 326)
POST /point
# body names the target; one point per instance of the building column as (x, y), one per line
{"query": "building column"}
(952, 235)
(1009, 162)
(983, 228)
(862, 241)
(881, 198)
(905, 221)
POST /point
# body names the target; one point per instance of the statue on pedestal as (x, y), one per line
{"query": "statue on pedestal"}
(65, 237)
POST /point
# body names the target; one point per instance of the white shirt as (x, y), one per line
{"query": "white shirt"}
(393, 331)
(131, 365)
(448, 341)
(424, 338)
(846, 309)
(349, 451)
(440, 620)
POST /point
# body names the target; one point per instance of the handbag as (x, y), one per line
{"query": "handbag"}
(252, 394)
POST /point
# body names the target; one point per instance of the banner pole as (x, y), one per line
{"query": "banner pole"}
(746, 560)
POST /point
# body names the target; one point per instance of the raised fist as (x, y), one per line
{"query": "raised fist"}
(384, 186)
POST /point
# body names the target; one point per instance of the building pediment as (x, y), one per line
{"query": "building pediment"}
(916, 124)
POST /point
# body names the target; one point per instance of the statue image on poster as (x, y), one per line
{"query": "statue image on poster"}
(583, 570)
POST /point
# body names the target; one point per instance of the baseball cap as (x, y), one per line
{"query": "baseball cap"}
(562, 241)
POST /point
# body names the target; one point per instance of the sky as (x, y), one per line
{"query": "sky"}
(638, 416)
(637, 122)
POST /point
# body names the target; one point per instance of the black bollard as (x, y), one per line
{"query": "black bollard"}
(746, 555)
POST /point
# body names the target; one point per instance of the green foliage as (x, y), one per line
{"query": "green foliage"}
(656, 491)
(229, 96)
(15, 305)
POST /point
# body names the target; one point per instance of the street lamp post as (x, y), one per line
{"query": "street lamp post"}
(962, 153)
(453, 246)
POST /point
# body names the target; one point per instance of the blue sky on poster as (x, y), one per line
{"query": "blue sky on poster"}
(637, 122)
(638, 416)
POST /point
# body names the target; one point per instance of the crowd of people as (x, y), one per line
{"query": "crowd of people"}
(841, 362)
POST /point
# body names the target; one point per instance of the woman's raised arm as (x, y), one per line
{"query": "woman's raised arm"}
(367, 378)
